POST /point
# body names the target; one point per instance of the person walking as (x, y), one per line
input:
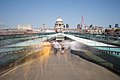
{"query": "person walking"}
(56, 47)
(66, 46)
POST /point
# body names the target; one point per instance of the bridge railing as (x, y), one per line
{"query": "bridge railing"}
(107, 56)
(97, 37)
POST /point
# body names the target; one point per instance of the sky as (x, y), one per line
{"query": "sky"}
(37, 12)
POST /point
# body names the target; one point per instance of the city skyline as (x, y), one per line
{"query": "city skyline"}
(37, 12)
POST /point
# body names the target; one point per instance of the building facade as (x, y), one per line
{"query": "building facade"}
(59, 25)
(24, 26)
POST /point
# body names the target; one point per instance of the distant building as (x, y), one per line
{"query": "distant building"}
(110, 26)
(59, 25)
(14, 31)
(24, 26)
(43, 28)
(36, 30)
(112, 31)
(94, 30)
(67, 26)
(116, 25)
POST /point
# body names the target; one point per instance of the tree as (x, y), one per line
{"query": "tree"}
(110, 26)
(91, 26)
(64, 26)
(78, 26)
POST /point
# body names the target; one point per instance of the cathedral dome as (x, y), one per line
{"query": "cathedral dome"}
(59, 19)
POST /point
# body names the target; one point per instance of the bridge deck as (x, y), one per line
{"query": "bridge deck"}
(59, 67)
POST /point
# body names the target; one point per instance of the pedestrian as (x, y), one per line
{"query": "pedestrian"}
(66, 46)
(56, 47)
(62, 48)
(75, 46)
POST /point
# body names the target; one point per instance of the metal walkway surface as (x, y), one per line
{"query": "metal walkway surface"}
(59, 67)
